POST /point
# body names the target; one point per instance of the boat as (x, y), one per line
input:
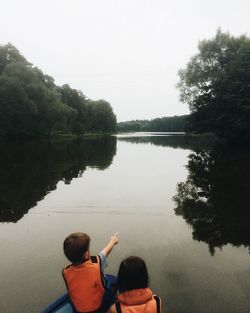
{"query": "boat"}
(60, 305)
(63, 303)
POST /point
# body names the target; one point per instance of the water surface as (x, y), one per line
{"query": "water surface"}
(196, 247)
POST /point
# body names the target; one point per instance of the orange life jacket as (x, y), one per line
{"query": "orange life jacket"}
(138, 301)
(85, 284)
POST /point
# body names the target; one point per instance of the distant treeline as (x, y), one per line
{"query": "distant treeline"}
(31, 104)
(163, 124)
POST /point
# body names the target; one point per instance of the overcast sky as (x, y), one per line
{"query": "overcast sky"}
(127, 52)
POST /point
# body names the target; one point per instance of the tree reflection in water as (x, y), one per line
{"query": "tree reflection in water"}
(29, 171)
(214, 199)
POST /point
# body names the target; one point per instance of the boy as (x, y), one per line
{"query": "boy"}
(84, 278)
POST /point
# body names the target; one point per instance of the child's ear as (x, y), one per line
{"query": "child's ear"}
(86, 255)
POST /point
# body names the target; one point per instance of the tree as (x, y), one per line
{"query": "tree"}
(216, 86)
(102, 117)
(29, 102)
(16, 109)
(77, 101)
(9, 54)
(32, 105)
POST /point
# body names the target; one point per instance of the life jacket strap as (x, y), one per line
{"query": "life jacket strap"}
(118, 307)
(158, 304)
(96, 311)
(93, 259)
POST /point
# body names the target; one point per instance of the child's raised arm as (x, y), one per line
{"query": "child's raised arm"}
(109, 247)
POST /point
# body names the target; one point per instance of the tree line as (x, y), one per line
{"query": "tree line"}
(216, 86)
(163, 124)
(31, 104)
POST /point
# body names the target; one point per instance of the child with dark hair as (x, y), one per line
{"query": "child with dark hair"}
(84, 278)
(134, 295)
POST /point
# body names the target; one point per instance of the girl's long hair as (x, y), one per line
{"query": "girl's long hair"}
(132, 274)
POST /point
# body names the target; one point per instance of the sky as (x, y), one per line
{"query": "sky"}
(127, 52)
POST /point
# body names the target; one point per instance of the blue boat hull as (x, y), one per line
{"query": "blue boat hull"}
(63, 304)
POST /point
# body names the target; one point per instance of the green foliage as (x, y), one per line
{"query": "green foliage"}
(164, 124)
(9, 54)
(77, 102)
(90, 116)
(32, 105)
(216, 86)
(102, 118)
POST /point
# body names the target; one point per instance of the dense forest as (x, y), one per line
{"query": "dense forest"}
(216, 86)
(164, 124)
(31, 104)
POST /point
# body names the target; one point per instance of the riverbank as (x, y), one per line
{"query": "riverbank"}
(57, 136)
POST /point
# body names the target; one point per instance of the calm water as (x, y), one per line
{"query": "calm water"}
(177, 202)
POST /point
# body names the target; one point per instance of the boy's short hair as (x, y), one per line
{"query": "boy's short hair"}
(74, 247)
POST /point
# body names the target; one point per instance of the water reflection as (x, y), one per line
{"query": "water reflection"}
(29, 171)
(170, 140)
(214, 199)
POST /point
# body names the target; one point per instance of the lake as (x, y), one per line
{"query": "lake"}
(179, 202)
